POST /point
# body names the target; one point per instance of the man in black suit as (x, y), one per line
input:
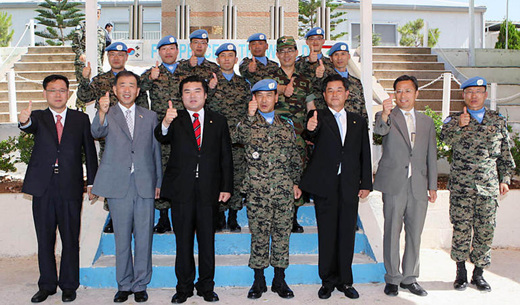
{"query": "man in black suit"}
(338, 174)
(54, 178)
(199, 174)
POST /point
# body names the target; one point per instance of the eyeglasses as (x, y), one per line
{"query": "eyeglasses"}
(471, 92)
(54, 91)
(287, 51)
(315, 38)
(200, 42)
(116, 54)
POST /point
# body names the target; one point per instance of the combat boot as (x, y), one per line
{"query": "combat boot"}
(461, 281)
(221, 222)
(279, 285)
(296, 228)
(259, 285)
(163, 225)
(232, 221)
(479, 281)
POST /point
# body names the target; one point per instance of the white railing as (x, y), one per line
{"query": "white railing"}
(147, 35)
(28, 26)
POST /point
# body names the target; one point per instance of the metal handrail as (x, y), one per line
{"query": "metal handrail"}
(27, 26)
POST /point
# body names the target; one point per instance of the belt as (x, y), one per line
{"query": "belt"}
(56, 170)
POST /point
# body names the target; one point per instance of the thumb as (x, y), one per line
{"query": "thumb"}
(214, 76)
(392, 96)
(170, 106)
(254, 59)
(30, 106)
(292, 80)
(88, 64)
(465, 110)
(321, 62)
(254, 98)
(107, 94)
(157, 64)
(315, 114)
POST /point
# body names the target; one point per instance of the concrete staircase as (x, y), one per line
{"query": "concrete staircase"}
(232, 255)
(32, 68)
(392, 62)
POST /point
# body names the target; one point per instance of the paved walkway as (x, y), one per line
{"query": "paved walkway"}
(18, 277)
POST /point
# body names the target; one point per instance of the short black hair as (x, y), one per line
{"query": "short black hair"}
(194, 79)
(126, 73)
(54, 77)
(333, 78)
(405, 77)
(108, 24)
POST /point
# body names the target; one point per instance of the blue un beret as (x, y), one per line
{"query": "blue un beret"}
(166, 40)
(257, 37)
(117, 46)
(199, 34)
(340, 46)
(315, 31)
(226, 47)
(265, 85)
(476, 81)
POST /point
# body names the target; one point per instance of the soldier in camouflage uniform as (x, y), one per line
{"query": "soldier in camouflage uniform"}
(230, 99)
(78, 47)
(271, 182)
(481, 169)
(294, 100)
(258, 66)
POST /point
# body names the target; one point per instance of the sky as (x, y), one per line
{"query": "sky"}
(496, 9)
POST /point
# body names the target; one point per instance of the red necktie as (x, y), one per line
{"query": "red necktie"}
(59, 127)
(196, 128)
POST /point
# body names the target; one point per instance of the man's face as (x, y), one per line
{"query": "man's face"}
(199, 47)
(98, 14)
(126, 90)
(405, 95)
(258, 48)
(287, 56)
(117, 59)
(57, 95)
(340, 59)
(109, 28)
(335, 95)
(474, 97)
(168, 53)
(266, 100)
(193, 96)
(315, 42)
(227, 60)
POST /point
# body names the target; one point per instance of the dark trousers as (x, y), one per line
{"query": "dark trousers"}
(336, 216)
(51, 211)
(188, 218)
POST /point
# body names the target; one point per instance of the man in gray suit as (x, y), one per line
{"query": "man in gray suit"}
(129, 177)
(407, 177)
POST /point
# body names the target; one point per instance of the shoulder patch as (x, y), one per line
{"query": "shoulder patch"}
(447, 120)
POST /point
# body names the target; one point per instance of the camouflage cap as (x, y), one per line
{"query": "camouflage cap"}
(285, 41)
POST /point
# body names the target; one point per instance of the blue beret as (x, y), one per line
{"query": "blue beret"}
(166, 40)
(226, 47)
(117, 46)
(315, 31)
(476, 81)
(265, 85)
(199, 34)
(340, 46)
(257, 37)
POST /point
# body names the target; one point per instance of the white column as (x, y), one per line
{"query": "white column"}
(11, 86)
(31, 32)
(366, 59)
(493, 96)
(91, 34)
(471, 57)
(446, 95)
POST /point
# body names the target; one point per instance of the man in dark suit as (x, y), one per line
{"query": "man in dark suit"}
(199, 174)
(54, 178)
(338, 174)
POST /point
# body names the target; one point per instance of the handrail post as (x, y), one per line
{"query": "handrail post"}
(446, 95)
(493, 96)
(11, 86)
(31, 31)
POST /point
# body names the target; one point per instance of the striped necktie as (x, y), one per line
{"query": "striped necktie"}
(196, 128)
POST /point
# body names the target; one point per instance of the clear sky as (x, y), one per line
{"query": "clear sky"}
(496, 9)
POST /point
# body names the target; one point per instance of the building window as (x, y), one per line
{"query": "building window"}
(387, 32)
(151, 31)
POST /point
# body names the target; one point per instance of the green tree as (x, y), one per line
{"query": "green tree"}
(5, 23)
(57, 16)
(307, 17)
(513, 39)
(411, 34)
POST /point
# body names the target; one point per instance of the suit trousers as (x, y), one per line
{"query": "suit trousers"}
(188, 218)
(51, 211)
(336, 216)
(133, 215)
(399, 209)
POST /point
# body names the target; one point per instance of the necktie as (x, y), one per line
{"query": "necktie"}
(196, 128)
(59, 127)
(129, 122)
(411, 127)
(337, 115)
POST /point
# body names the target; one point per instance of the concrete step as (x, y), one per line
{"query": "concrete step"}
(49, 50)
(26, 85)
(48, 57)
(49, 67)
(494, 74)
(40, 75)
(37, 104)
(401, 50)
(456, 94)
(402, 65)
(404, 57)
(436, 105)
(389, 83)
(419, 74)
(25, 95)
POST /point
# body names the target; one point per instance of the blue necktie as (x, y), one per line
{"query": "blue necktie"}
(337, 115)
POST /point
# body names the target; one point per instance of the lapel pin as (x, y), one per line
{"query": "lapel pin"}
(210, 122)
(141, 116)
(353, 122)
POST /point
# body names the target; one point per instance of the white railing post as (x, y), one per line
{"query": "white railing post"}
(493, 96)
(446, 95)
(11, 86)
(31, 31)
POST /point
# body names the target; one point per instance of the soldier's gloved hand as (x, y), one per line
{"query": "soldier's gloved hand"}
(464, 118)
(320, 70)
(171, 114)
(83, 58)
(213, 82)
(193, 61)
(154, 74)
(313, 121)
(289, 89)
(252, 65)
(253, 106)
(86, 71)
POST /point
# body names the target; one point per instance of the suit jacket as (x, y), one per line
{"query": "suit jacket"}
(113, 177)
(75, 140)
(392, 172)
(354, 156)
(214, 158)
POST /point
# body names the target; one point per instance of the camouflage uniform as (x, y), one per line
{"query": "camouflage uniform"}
(273, 168)
(204, 70)
(481, 159)
(231, 100)
(98, 87)
(308, 69)
(261, 70)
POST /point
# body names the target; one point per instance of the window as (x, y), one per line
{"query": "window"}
(387, 32)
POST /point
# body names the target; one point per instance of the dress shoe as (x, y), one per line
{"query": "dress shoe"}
(122, 296)
(181, 297)
(109, 228)
(479, 281)
(41, 295)
(220, 222)
(325, 292)
(296, 228)
(461, 281)
(141, 296)
(163, 225)
(68, 295)
(415, 288)
(232, 223)
(349, 291)
(391, 290)
(208, 296)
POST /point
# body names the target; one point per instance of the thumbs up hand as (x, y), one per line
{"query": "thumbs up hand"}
(289, 89)
(213, 82)
(464, 118)
(320, 70)
(25, 115)
(313, 56)
(171, 114)
(193, 60)
(313, 122)
(253, 106)
(155, 71)
(104, 103)
(252, 65)
(387, 107)
(86, 71)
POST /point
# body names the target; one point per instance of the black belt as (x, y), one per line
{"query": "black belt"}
(56, 169)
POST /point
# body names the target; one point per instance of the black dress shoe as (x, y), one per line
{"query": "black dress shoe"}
(181, 297)
(481, 283)
(109, 228)
(220, 223)
(141, 296)
(68, 295)
(163, 225)
(391, 290)
(257, 290)
(122, 296)
(325, 292)
(232, 223)
(415, 288)
(41, 296)
(283, 290)
(208, 296)
(461, 280)
(349, 291)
